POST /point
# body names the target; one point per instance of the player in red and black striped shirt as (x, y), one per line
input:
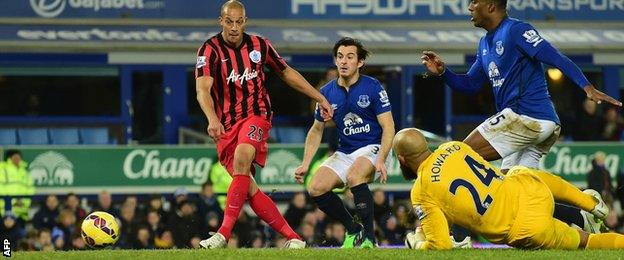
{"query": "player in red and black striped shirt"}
(231, 90)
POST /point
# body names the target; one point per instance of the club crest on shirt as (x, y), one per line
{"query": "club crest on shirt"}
(499, 48)
(363, 101)
(201, 61)
(255, 56)
(532, 37)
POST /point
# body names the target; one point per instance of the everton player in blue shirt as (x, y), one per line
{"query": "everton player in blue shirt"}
(510, 56)
(365, 128)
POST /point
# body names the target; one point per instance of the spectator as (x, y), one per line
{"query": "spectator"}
(15, 180)
(195, 242)
(257, 240)
(156, 204)
(164, 240)
(44, 240)
(588, 123)
(208, 203)
(308, 234)
(393, 232)
(233, 242)
(155, 224)
(72, 203)
(105, 203)
(129, 226)
(212, 222)
(12, 230)
(180, 195)
(613, 125)
(220, 179)
(338, 233)
(66, 227)
(57, 239)
(599, 178)
(77, 242)
(142, 240)
(46, 216)
(183, 224)
(382, 211)
(296, 210)
(132, 202)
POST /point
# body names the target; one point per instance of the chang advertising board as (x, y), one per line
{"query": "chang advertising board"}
(148, 169)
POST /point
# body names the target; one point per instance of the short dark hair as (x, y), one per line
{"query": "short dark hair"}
(362, 53)
(500, 3)
(11, 152)
(206, 184)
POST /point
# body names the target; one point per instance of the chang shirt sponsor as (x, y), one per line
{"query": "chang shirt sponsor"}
(506, 57)
(356, 111)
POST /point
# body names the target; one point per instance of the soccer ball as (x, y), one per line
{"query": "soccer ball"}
(100, 229)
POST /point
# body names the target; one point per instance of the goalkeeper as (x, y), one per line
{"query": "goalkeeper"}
(454, 185)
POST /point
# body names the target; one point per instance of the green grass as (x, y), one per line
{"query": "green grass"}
(323, 254)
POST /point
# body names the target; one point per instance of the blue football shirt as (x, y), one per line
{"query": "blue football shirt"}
(355, 112)
(506, 56)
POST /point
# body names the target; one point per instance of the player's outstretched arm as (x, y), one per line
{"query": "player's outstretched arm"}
(313, 139)
(202, 87)
(433, 62)
(549, 55)
(387, 127)
(294, 79)
(598, 96)
(468, 83)
(435, 227)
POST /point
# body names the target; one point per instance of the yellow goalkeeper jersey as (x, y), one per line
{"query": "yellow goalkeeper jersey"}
(457, 186)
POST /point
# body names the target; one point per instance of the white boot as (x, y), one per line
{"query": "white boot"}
(215, 241)
(295, 244)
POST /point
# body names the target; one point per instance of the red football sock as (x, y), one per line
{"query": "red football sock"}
(265, 209)
(236, 196)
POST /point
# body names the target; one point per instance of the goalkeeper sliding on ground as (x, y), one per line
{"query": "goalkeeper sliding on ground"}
(454, 185)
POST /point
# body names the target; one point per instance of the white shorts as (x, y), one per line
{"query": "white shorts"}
(519, 139)
(340, 162)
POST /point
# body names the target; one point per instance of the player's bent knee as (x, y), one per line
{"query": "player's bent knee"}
(317, 189)
(354, 179)
(243, 157)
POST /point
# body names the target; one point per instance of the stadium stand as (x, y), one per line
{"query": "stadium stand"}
(8, 136)
(33, 136)
(64, 136)
(94, 135)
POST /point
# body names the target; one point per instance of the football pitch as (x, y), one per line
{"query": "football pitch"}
(323, 254)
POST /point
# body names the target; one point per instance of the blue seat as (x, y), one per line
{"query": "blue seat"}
(98, 135)
(64, 136)
(33, 136)
(291, 134)
(8, 136)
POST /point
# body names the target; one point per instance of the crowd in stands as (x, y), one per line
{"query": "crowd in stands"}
(184, 219)
(593, 123)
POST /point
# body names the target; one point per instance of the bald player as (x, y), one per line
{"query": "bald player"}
(454, 185)
(232, 92)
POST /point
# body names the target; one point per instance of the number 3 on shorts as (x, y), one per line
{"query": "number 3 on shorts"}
(255, 133)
